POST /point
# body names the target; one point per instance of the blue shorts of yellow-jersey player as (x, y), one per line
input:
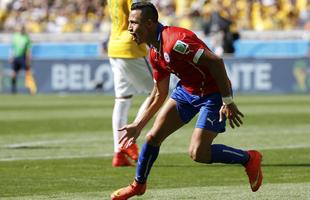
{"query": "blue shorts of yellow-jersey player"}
(188, 105)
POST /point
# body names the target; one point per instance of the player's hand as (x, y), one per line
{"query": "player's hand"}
(232, 113)
(132, 132)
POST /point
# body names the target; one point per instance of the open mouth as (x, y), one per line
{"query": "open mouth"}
(134, 36)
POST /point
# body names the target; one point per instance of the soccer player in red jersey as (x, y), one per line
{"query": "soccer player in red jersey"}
(203, 88)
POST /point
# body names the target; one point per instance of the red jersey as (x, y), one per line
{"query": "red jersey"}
(180, 50)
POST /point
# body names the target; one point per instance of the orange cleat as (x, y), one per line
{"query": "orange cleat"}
(120, 160)
(253, 169)
(125, 193)
(132, 152)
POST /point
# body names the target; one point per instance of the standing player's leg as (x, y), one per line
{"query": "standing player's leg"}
(16, 65)
(123, 97)
(167, 121)
(13, 82)
(119, 119)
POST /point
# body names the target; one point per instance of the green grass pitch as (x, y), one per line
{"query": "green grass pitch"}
(60, 147)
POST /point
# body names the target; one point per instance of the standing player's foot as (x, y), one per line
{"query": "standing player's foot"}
(125, 193)
(120, 160)
(132, 152)
(253, 169)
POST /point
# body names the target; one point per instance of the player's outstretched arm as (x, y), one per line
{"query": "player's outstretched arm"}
(157, 98)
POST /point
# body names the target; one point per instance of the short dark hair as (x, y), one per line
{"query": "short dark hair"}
(149, 11)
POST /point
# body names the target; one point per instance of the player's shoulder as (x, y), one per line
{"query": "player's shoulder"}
(175, 38)
(177, 33)
(178, 29)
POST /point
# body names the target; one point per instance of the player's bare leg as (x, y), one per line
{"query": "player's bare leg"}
(200, 146)
(202, 150)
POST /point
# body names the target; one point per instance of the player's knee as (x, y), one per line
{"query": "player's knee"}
(152, 140)
(195, 156)
(199, 156)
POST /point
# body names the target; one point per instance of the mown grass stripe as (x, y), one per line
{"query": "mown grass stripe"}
(285, 191)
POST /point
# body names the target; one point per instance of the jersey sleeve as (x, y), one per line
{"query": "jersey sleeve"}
(188, 48)
(29, 43)
(158, 72)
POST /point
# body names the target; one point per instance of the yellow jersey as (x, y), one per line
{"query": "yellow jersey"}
(120, 43)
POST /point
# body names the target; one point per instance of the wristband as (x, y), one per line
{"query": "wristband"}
(227, 100)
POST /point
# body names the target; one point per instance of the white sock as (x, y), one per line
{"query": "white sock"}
(142, 108)
(119, 119)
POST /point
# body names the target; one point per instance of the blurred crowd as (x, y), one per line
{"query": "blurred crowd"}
(92, 15)
(53, 16)
(244, 14)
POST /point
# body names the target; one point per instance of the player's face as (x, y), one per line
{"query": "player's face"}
(136, 27)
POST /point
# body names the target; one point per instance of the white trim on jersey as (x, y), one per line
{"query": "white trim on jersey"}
(198, 55)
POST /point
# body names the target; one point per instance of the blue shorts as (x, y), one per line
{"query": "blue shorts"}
(208, 106)
(19, 63)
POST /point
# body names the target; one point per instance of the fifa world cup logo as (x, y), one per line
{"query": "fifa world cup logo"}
(301, 73)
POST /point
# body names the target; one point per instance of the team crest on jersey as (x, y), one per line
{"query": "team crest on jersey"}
(181, 47)
(167, 57)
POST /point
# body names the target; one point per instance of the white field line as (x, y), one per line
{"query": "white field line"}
(48, 142)
(85, 155)
(57, 157)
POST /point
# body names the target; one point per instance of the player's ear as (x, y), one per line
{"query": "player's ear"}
(149, 23)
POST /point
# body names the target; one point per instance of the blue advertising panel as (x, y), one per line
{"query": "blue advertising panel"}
(54, 76)
(291, 75)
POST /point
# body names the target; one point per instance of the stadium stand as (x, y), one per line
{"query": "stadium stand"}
(252, 22)
(54, 16)
(91, 16)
